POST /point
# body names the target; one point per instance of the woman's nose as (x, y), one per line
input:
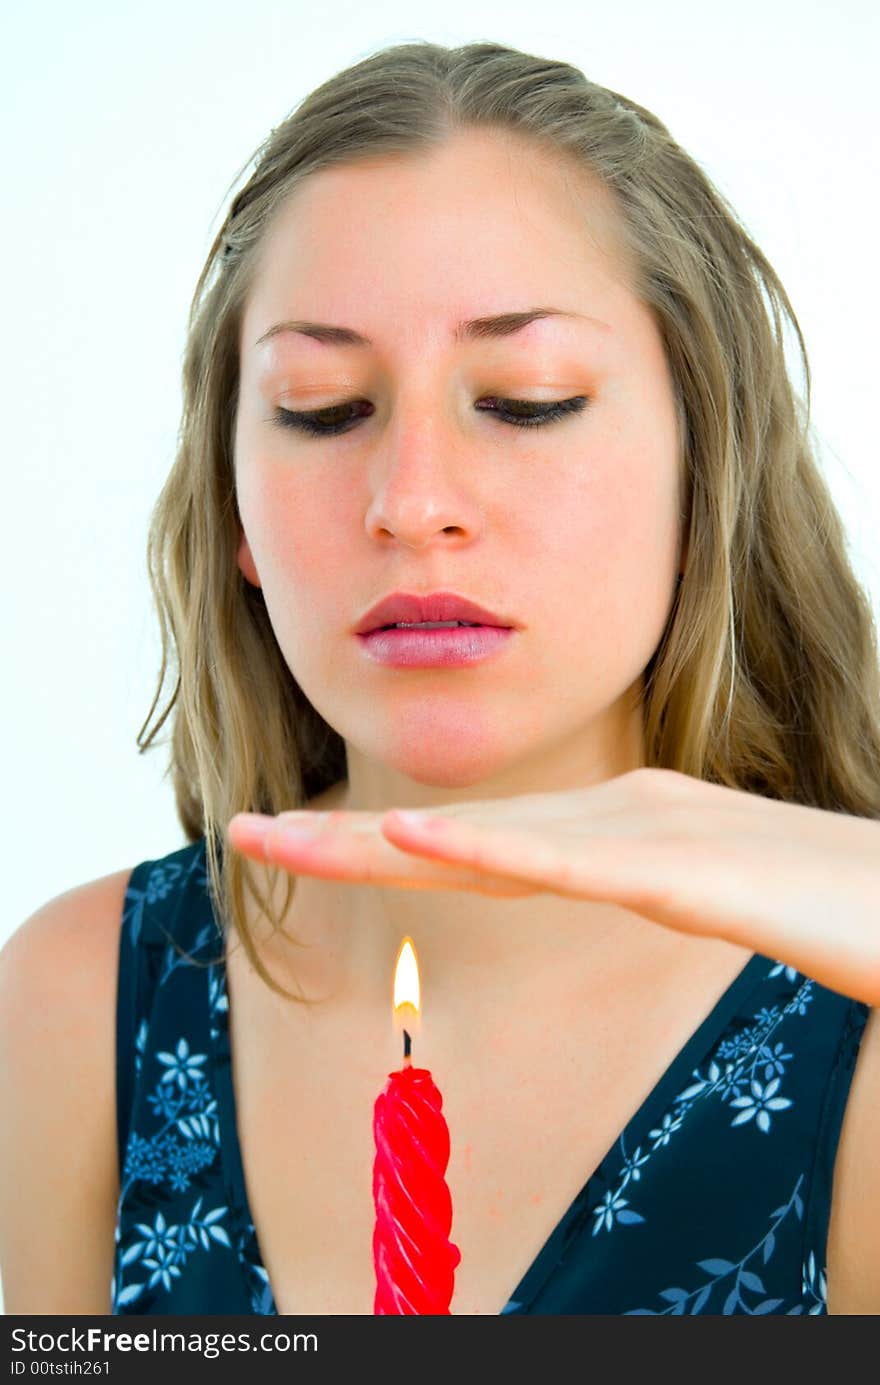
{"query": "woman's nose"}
(423, 485)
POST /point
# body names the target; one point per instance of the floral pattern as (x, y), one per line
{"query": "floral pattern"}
(184, 1143)
(752, 1103)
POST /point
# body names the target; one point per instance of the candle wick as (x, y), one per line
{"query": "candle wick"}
(407, 1047)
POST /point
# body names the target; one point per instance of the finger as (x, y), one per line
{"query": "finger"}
(349, 847)
(331, 845)
(611, 872)
(367, 859)
(525, 862)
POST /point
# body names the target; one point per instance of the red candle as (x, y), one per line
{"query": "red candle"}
(413, 1256)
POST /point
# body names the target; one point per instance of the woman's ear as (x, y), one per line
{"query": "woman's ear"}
(245, 559)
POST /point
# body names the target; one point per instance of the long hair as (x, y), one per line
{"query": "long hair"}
(767, 676)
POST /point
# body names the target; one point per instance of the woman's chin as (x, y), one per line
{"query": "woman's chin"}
(446, 763)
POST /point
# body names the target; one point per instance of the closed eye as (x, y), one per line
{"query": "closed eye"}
(332, 420)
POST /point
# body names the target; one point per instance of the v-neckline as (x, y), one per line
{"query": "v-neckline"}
(649, 1112)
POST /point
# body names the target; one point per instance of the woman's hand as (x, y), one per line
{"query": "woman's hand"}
(799, 885)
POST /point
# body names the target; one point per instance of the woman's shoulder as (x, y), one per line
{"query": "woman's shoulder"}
(66, 948)
(58, 974)
(59, 968)
(57, 1016)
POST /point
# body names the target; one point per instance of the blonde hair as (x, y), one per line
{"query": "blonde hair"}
(767, 676)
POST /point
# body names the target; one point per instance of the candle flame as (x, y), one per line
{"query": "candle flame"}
(407, 990)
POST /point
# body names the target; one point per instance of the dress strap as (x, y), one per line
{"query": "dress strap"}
(167, 917)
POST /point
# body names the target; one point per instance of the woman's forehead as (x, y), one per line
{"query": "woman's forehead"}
(458, 201)
(352, 246)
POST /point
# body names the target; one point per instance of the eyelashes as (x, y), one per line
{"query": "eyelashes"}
(315, 424)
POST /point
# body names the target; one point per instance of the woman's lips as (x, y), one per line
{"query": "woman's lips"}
(450, 648)
(415, 608)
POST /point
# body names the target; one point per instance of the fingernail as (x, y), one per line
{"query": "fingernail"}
(255, 824)
(411, 817)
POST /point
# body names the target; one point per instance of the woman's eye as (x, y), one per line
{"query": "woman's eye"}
(528, 413)
(521, 413)
(323, 422)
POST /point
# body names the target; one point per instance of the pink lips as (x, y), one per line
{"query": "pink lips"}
(482, 634)
(451, 648)
(414, 608)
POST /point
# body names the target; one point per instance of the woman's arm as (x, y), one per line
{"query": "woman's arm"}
(59, 1176)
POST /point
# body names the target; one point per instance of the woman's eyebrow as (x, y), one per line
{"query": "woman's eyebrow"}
(477, 328)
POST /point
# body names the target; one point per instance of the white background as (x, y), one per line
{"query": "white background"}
(124, 128)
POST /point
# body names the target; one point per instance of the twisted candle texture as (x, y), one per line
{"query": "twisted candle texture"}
(414, 1259)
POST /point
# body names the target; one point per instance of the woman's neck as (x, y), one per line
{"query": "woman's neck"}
(340, 939)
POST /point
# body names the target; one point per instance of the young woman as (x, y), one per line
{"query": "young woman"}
(478, 343)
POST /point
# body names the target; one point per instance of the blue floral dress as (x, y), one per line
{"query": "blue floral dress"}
(715, 1198)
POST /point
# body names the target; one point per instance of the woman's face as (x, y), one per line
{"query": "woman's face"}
(570, 529)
